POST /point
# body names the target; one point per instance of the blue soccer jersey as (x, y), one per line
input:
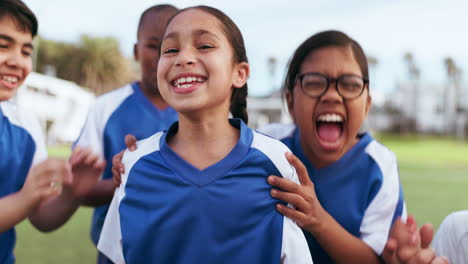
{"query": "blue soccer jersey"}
(361, 191)
(21, 146)
(167, 211)
(115, 114)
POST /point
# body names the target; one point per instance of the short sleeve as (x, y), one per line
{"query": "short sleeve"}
(388, 202)
(295, 249)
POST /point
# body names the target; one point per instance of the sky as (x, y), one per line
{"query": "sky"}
(430, 29)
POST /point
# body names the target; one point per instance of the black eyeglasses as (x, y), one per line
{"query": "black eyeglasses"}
(348, 86)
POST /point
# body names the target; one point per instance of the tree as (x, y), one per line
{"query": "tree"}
(96, 63)
(452, 105)
(414, 75)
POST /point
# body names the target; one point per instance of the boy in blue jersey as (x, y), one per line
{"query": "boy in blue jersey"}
(114, 114)
(197, 193)
(352, 196)
(47, 193)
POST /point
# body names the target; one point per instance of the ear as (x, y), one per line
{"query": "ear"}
(135, 52)
(290, 104)
(368, 103)
(241, 74)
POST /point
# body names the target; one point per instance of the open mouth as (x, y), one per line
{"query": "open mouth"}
(187, 81)
(330, 127)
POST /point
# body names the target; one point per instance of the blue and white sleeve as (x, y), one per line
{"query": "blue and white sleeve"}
(92, 134)
(295, 249)
(387, 204)
(110, 241)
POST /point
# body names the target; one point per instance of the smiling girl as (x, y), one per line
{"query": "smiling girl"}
(197, 193)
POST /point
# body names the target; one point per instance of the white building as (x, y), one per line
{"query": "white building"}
(61, 106)
(430, 107)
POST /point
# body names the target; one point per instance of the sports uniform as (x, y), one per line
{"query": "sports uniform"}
(167, 211)
(361, 191)
(21, 146)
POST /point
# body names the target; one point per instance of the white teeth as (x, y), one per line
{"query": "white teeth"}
(181, 82)
(10, 79)
(330, 118)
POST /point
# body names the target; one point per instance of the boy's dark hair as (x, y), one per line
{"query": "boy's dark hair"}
(25, 19)
(155, 8)
(238, 107)
(317, 41)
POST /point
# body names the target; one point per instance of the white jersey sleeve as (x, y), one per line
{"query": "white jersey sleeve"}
(110, 241)
(30, 123)
(294, 247)
(277, 130)
(451, 239)
(378, 216)
(93, 131)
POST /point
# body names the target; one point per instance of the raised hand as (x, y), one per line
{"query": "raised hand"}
(408, 246)
(86, 169)
(45, 181)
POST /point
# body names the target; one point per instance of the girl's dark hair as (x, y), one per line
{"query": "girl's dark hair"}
(317, 41)
(238, 107)
(25, 19)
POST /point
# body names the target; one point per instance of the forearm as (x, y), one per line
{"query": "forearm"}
(341, 245)
(101, 194)
(14, 209)
(55, 212)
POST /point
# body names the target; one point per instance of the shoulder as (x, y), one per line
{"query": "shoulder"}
(455, 224)
(451, 239)
(144, 147)
(22, 118)
(106, 104)
(268, 144)
(380, 154)
(275, 151)
(113, 99)
(278, 130)
(27, 122)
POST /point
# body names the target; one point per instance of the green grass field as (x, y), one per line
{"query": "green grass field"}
(434, 173)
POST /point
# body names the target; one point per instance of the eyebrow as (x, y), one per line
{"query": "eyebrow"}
(10, 39)
(198, 32)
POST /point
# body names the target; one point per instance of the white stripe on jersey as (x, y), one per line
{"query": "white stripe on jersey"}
(110, 242)
(377, 219)
(294, 242)
(21, 118)
(93, 131)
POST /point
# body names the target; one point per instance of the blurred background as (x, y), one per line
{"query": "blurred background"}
(418, 65)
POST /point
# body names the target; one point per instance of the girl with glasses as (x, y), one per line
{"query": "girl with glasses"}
(353, 195)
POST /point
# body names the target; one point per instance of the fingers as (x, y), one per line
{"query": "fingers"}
(301, 170)
(389, 252)
(440, 260)
(292, 198)
(426, 232)
(283, 184)
(295, 215)
(117, 163)
(130, 141)
(425, 256)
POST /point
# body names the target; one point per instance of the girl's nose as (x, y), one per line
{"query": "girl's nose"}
(186, 57)
(332, 95)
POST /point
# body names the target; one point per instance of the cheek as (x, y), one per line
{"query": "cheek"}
(303, 110)
(27, 65)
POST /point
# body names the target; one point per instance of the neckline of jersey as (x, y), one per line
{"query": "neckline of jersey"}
(215, 171)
